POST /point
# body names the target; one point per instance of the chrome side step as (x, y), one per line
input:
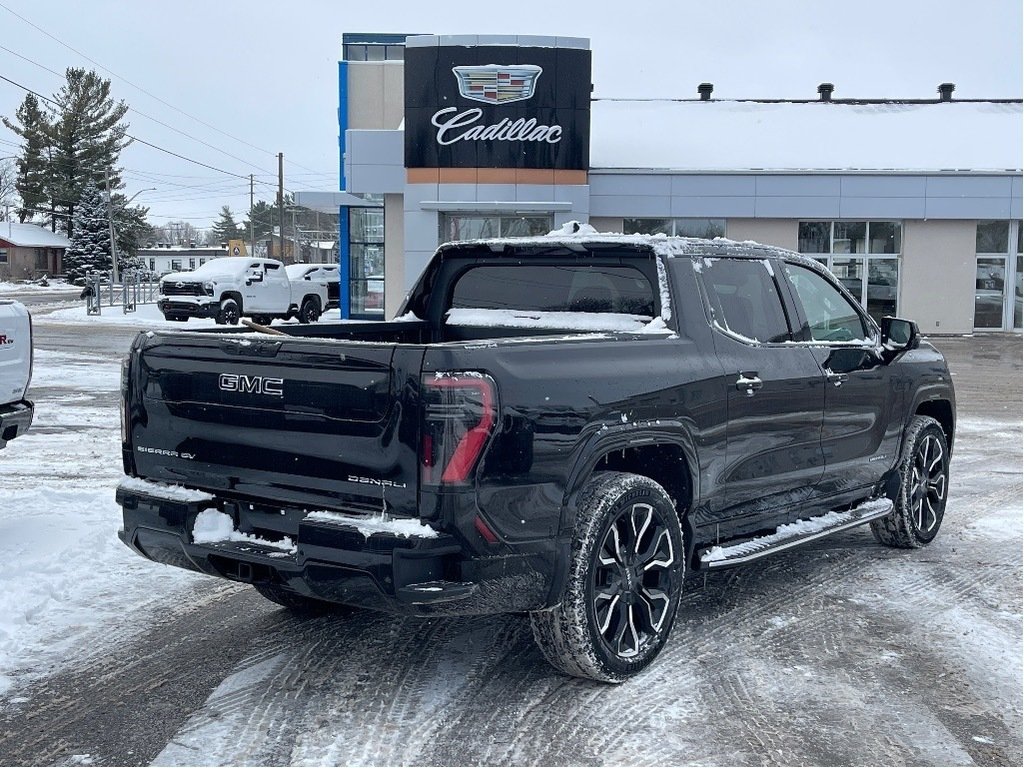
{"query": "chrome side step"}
(794, 534)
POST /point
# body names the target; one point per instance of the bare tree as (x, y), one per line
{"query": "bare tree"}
(8, 193)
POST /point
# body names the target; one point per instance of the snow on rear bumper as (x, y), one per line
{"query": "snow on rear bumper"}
(335, 557)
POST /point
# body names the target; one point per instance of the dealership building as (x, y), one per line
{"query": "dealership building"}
(914, 204)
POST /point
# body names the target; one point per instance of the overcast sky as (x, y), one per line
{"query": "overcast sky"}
(262, 77)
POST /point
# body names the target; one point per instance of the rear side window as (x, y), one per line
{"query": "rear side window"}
(556, 288)
(744, 298)
(831, 316)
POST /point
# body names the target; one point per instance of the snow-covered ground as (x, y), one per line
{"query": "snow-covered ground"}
(841, 652)
(66, 578)
(53, 287)
(145, 316)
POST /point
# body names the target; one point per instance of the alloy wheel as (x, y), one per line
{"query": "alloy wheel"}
(928, 486)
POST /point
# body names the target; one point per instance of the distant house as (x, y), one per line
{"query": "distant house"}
(178, 258)
(28, 251)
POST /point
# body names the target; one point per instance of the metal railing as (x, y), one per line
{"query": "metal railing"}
(134, 289)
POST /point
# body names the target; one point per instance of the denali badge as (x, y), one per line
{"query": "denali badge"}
(374, 481)
(260, 385)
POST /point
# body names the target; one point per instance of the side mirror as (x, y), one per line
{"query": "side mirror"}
(898, 336)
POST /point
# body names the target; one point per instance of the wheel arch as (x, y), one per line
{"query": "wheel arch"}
(942, 411)
(234, 296)
(668, 459)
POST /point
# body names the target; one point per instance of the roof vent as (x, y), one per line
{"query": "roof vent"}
(825, 91)
(705, 89)
(946, 91)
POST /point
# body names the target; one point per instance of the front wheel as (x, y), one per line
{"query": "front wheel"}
(924, 487)
(625, 578)
(310, 310)
(229, 313)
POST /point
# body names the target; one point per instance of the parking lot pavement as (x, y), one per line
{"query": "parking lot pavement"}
(987, 373)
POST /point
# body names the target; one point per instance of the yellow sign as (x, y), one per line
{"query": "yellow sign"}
(236, 248)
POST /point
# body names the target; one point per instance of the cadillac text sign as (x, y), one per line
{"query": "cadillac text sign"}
(497, 107)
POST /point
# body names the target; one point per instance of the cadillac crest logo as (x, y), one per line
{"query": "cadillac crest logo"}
(497, 83)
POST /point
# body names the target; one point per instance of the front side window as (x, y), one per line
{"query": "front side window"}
(744, 298)
(829, 314)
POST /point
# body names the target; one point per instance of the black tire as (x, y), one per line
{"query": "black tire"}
(625, 578)
(310, 310)
(924, 488)
(262, 319)
(176, 318)
(229, 312)
(296, 603)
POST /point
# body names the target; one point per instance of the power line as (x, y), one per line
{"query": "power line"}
(142, 114)
(143, 90)
(130, 136)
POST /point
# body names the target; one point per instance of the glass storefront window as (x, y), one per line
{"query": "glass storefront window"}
(883, 281)
(992, 237)
(1017, 294)
(988, 293)
(815, 237)
(849, 237)
(706, 229)
(885, 237)
(647, 226)
(366, 262)
(456, 227)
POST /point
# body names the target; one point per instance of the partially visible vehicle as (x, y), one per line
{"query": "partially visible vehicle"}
(229, 287)
(321, 274)
(16, 411)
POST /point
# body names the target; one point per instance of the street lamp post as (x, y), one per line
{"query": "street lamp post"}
(113, 242)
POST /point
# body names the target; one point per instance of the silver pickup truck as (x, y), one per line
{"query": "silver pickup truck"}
(15, 370)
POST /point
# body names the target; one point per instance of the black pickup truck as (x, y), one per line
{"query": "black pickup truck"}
(565, 426)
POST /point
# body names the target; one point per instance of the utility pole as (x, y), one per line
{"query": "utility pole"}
(110, 216)
(252, 224)
(280, 199)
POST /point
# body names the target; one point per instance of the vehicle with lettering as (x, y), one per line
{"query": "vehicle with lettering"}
(16, 411)
(229, 287)
(565, 426)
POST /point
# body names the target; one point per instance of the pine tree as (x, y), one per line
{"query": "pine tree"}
(131, 231)
(90, 236)
(87, 138)
(225, 228)
(33, 177)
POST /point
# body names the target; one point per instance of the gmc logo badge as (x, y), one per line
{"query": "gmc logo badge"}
(259, 385)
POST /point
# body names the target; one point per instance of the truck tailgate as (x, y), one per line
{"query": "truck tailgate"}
(15, 351)
(325, 424)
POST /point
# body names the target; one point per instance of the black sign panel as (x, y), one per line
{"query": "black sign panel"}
(497, 107)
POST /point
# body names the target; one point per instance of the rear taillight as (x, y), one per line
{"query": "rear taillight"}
(125, 364)
(459, 413)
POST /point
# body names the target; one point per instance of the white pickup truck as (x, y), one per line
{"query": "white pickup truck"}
(231, 286)
(15, 370)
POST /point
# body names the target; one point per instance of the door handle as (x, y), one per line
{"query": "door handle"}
(837, 379)
(749, 382)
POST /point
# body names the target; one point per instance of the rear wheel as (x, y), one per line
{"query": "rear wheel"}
(229, 312)
(625, 578)
(294, 602)
(310, 310)
(924, 487)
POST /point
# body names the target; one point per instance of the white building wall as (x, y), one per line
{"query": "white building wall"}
(778, 232)
(937, 275)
